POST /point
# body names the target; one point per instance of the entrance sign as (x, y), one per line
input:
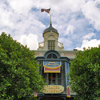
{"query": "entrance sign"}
(51, 66)
(53, 89)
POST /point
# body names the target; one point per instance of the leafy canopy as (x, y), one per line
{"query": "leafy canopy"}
(85, 74)
(19, 74)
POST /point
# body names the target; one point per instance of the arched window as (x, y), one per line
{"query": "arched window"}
(52, 56)
(49, 56)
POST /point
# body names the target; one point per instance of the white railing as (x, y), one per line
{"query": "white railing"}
(60, 45)
(41, 44)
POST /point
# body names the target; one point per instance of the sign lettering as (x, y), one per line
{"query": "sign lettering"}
(53, 89)
(52, 65)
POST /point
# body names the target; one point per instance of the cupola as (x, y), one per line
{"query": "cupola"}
(49, 29)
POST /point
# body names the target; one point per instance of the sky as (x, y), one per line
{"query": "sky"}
(77, 21)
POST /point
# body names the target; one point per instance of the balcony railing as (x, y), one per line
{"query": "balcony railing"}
(60, 45)
(41, 44)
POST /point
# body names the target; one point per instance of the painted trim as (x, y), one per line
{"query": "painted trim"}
(51, 71)
(35, 94)
(68, 92)
(52, 68)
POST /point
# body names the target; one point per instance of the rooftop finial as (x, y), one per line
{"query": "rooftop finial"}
(50, 24)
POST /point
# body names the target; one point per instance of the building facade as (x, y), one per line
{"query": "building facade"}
(55, 63)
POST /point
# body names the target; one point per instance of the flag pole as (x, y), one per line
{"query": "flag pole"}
(50, 17)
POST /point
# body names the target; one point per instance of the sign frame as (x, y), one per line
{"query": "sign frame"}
(51, 66)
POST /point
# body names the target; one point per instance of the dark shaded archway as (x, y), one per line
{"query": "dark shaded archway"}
(52, 98)
(56, 98)
(72, 98)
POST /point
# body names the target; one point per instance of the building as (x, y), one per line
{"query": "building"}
(55, 62)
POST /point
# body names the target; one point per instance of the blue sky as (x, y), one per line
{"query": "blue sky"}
(77, 21)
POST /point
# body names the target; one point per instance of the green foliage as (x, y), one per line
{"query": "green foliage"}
(85, 74)
(19, 74)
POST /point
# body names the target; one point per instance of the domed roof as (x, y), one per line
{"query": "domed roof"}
(50, 28)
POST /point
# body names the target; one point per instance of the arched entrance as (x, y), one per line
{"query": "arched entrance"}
(52, 98)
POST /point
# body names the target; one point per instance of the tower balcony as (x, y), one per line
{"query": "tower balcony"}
(41, 45)
(60, 45)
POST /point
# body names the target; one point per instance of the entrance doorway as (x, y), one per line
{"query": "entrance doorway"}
(52, 98)
(56, 98)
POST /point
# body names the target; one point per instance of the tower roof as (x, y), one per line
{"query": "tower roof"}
(50, 28)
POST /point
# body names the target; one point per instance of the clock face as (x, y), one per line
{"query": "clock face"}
(51, 64)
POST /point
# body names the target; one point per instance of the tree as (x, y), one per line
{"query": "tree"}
(19, 75)
(85, 74)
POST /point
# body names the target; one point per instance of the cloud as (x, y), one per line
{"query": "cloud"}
(5, 16)
(67, 43)
(89, 36)
(72, 19)
(18, 20)
(69, 30)
(87, 43)
(92, 13)
(31, 40)
(21, 6)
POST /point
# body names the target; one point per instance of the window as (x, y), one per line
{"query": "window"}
(52, 78)
(52, 56)
(49, 56)
(59, 78)
(51, 44)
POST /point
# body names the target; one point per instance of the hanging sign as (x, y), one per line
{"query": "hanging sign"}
(47, 70)
(53, 89)
(51, 66)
